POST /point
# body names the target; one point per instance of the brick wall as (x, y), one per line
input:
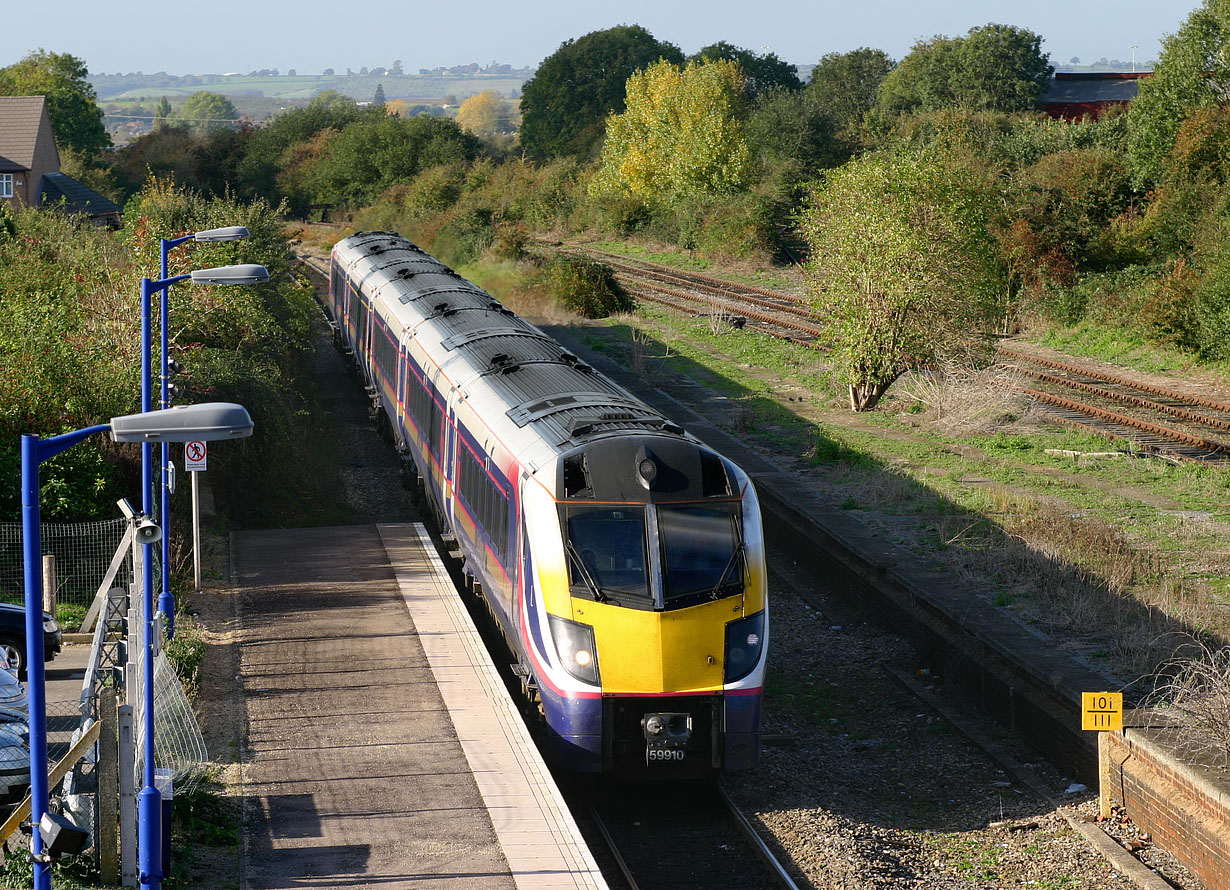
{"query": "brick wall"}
(1184, 806)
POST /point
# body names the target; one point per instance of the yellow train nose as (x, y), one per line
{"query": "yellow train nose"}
(648, 652)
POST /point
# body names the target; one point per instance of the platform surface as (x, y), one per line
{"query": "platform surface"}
(381, 747)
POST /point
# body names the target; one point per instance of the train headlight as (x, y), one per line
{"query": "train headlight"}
(575, 643)
(744, 643)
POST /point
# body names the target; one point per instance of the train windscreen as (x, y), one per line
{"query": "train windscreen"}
(606, 553)
(701, 551)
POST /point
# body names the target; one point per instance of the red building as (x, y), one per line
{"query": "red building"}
(1074, 94)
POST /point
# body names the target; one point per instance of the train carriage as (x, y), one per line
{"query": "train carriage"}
(621, 558)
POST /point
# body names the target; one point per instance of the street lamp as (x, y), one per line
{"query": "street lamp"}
(212, 420)
(166, 600)
(149, 801)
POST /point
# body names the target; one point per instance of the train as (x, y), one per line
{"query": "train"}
(622, 559)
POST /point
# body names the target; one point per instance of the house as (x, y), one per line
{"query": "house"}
(1074, 94)
(30, 164)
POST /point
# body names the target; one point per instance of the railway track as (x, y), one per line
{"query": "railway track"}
(680, 837)
(1153, 419)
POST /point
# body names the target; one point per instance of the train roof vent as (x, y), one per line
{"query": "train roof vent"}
(572, 361)
(584, 426)
(503, 363)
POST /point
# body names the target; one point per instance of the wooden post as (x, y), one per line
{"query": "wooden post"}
(108, 789)
(49, 584)
(1105, 776)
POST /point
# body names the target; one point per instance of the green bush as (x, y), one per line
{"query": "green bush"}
(586, 287)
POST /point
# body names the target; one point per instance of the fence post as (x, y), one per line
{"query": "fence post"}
(128, 797)
(107, 839)
(49, 583)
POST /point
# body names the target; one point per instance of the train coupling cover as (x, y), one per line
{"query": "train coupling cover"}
(666, 736)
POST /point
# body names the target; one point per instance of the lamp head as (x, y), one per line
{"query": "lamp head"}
(226, 233)
(245, 273)
(208, 421)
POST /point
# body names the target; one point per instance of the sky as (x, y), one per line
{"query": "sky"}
(245, 35)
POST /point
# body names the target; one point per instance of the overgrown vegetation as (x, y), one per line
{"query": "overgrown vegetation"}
(69, 343)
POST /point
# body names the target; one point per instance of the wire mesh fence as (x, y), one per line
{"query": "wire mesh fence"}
(83, 551)
(179, 745)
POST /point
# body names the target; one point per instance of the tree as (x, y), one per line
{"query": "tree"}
(845, 86)
(76, 119)
(901, 268)
(1192, 72)
(565, 104)
(257, 170)
(370, 155)
(788, 125)
(378, 99)
(680, 134)
(161, 113)
(760, 73)
(483, 114)
(204, 112)
(992, 68)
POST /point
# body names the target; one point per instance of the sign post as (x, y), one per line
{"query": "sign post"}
(1102, 712)
(196, 455)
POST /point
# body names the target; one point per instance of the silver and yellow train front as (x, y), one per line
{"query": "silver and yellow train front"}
(646, 612)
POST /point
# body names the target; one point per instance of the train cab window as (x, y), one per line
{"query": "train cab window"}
(701, 551)
(607, 555)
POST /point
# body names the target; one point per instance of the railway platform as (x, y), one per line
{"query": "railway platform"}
(381, 748)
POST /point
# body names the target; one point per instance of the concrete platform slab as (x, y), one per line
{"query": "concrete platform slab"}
(354, 771)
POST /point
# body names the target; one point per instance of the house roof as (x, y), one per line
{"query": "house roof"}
(1069, 89)
(57, 186)
(19, 121)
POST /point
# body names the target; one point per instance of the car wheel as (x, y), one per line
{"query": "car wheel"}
(16, 655)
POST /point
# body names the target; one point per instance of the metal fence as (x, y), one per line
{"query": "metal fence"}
(83, 551)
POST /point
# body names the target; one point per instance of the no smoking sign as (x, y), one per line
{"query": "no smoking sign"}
(195, 455)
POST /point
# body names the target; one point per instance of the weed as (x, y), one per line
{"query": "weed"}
(186, 651)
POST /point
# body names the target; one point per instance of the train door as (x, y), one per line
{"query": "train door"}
(449, 456)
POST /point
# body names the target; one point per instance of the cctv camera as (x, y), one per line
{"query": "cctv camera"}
(126, 508)
(148, 531)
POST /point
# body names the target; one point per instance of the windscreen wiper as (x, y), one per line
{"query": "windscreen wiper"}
(599, 596)
(734, 558)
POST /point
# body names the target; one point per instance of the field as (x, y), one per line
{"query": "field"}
(304, 86)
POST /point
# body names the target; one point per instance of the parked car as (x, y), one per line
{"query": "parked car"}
(13, 637)
(12, 690)
(14, 753)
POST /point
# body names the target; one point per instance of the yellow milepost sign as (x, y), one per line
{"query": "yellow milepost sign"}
(1102, 711)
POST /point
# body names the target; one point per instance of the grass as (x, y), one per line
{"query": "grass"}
(1132, 545)
(1121, 347)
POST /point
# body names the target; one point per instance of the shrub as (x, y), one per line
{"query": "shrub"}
(586, 287)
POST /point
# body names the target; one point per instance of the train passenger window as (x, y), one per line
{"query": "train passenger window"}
(606, 553)
(701, 550)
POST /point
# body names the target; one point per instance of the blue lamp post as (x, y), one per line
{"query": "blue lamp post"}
(166, 600)
(149, 801)
(214, 420)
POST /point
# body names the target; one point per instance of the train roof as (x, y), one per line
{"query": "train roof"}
(538, 398)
